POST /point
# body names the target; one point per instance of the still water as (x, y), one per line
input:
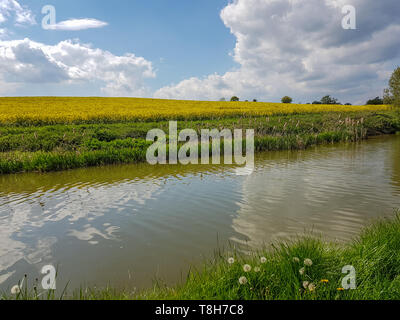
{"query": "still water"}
(126, 225)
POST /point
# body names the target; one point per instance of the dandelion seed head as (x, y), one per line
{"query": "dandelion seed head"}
(311, 287)
(247, 268)
(243, 280)
(308, 262)
(257, 269)
(295, 259)
(231, 260)
(305, 284)
(263, 260)
(15, 289)
(301, 271)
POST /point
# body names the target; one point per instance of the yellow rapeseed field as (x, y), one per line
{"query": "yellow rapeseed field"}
(51, 110)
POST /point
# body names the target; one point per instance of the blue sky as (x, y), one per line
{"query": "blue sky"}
(199, 49)
(182, 38)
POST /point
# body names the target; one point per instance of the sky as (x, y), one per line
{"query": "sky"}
(198, 49)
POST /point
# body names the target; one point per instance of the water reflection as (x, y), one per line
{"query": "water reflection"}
(332, 192)
(126, 224)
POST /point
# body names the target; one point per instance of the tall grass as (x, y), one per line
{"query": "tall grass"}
(60, 147)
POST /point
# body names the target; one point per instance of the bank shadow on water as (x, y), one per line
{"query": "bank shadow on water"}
(126, 224)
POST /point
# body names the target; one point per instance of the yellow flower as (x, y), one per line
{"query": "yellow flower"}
(324, 281)
(340, 289)
(67, 110)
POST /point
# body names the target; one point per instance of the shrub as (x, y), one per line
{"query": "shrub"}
(287, 99)
(376, 101)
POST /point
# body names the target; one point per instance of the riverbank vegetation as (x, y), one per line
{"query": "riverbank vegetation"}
(306, 268)
(42, 144)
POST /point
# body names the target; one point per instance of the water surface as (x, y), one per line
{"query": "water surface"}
(126, 225)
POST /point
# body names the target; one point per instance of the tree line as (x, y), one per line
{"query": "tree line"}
(391, 95)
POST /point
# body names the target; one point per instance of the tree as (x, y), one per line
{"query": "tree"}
(234, 98)
(376, 101)
(329, 100)
(347, 104)
(287, 99)
(387, 98)
(317, 102)
(222, 99)
(254, 100)
(392, 94)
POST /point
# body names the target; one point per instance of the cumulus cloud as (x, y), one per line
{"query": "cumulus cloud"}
(21, 14)
(70, 62)
(299, 48)
(77, 24)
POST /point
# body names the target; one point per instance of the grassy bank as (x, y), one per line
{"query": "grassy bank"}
(304, 269)
(54, 147)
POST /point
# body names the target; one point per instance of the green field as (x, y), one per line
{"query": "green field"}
(44, 148)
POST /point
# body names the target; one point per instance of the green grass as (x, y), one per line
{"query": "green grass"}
(375, 255)
(60, 147)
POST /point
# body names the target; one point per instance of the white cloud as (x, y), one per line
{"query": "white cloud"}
(69, 62)
(22, 15)
(299, 48)
(77, 24)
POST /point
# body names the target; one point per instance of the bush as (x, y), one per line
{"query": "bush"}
(287, 99)
(234, 98)
(376, 101)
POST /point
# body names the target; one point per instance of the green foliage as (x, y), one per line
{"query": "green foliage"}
(60, 147)
(375, 101)
(287, 99)
(329, 100)
(392, 94)
(234, 98)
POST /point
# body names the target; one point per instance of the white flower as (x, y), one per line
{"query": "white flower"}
(308, 262)
(295, 259)
(247, 268)
(231, 261)
(257, 269)
(301, 271)
(305, 284)
(15, 290)
(263, 260)
(243, 280)
(311, 287)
